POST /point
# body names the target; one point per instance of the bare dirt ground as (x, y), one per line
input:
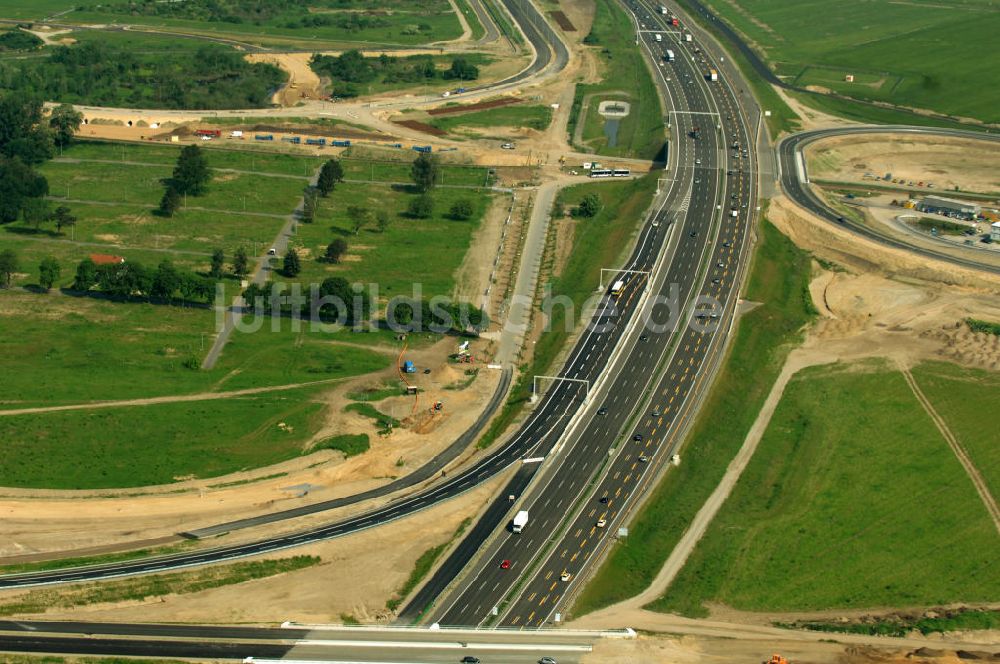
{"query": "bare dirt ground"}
(51, 36)
(844, 248)
(303, 83)
(810, 118)
(38, 522)
(946, 162)
(356, 577)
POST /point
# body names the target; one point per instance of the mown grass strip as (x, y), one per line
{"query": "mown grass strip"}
(142, 588)
(597, 243)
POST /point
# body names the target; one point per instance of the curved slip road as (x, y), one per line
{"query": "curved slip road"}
(540, 431)
(795, 183)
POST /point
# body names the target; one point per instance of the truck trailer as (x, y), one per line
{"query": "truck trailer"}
(519, 522)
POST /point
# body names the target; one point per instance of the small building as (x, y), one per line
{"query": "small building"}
(949, 206)
(995, 231)
(106, 259)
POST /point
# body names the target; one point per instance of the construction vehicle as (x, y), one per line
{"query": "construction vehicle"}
(295, 140)
(210, 133)
(263, 137)
(422, 148)
(341, 143)
(776, 659)
(316, 141)
(408, 367)
(519, 522)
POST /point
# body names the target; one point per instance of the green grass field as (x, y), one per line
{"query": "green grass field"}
(626, 77)
(408, 23)
(779, 279)
(923, 55)
(597, 242)
(852, 500)
(532, 117)
(157, 444)
(958, 396)
(409, 251)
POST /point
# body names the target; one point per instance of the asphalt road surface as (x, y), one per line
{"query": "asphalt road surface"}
(540, 432)
(523, 578)
(295, 644)
(794, 181)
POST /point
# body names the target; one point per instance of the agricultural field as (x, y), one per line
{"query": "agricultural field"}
(920, 55)
(959, 396)
(626, 77)
(326, 22)
(791, 536)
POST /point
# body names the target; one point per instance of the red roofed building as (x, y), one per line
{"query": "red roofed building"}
(106, 259)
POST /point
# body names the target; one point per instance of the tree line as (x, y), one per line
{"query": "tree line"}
(351, 69)
(27, 139)
(98, 73)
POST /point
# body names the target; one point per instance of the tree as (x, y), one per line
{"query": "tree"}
(64, 122)
(241, 263)
(424, 171)
(589, 206)
(462, 70)
(191, 173)
(292, 264)
(9, 264)
(48, 272)
(329, 175)
(18, 183)
(218, 261)
(421, 207)
(462, 210)
(170, 202)
(22, 133)
(309, 203)
(166, 281)
(335, 250)
(358, 304)
(35, 211)
(382, 221)
(63, 218)
(359, 216)
(86, 275)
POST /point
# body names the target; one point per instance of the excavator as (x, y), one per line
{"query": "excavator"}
(776, 659)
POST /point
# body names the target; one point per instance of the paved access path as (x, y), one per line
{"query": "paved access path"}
(262, 270)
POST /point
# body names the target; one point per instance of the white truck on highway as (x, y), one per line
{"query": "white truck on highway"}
(659, 37)
(669, 57)
(520, 521)
(663, 10)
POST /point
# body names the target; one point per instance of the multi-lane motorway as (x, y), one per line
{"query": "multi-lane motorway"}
(540, 432)
(523, 579)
